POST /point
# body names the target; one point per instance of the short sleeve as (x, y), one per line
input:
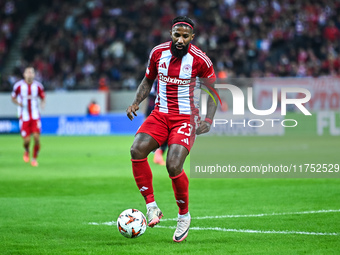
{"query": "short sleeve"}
(151, 70)
(41, 91)
(16, 90)
(207, 74)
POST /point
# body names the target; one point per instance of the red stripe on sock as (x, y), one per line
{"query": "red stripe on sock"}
(139, 160)
(177, 176)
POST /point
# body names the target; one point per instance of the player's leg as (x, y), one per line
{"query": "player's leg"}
(181, 139)
(26, 144)
(152, 133)
(35, 129)
(140, 149)
(175, 159)
(25, 134)
(36, 148)
(180, 184)
(142, 145)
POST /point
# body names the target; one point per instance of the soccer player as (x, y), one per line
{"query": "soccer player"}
(26, 94)
(177, 64)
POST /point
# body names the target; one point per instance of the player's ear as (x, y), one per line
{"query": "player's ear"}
(170, 31)
(192, 37)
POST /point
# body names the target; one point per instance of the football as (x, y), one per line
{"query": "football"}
(131, 223)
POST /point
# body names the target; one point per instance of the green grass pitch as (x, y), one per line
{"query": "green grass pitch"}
(47, 210)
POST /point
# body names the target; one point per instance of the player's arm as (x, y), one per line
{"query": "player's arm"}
(143, 91)
(204, 126)
(42, 96)
(15, 93)
(15, 101)
(144, 87)
(43, 103)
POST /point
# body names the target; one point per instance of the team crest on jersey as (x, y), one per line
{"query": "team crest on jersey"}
(186, 68)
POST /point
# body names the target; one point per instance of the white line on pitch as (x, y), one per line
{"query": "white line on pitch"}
(255, 215)
(257, 231)
(110, 223)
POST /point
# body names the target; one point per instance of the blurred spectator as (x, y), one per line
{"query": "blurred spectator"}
(103, 85)
(331, 32)
(93, 108)
(79, 41)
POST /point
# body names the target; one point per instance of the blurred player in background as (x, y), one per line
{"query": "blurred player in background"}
(93, 108)
(158, 157)
(175, 119)
(26, 94)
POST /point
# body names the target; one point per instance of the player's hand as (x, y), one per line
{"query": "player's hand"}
(15, 101)
(131, 110)
(42, 105)
(203, 127)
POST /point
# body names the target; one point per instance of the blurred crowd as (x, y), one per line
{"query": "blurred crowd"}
(12, 16)
(11, 13)
(91, 44)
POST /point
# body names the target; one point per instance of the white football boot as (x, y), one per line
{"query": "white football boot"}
(183, 225)
(154, 214)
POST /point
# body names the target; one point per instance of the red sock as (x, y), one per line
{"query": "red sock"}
(180, 185)
(143, 177)
(36, 150)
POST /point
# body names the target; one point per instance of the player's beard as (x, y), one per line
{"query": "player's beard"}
(179, 53)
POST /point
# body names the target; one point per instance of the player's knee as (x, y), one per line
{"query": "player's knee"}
(133, 152)
(136, 152)
(174, 167)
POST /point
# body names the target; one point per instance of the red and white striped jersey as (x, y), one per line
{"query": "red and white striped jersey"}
(177, 78)
(28, 95)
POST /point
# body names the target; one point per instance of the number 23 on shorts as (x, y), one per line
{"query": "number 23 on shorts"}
(185, 129)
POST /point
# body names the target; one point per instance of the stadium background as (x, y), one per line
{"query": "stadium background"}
(85, 50)
(99, 49)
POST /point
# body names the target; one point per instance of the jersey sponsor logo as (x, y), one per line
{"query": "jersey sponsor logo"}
(163, 65)
(29, 97)
(186, 68)
(186, 141)
(174, 80)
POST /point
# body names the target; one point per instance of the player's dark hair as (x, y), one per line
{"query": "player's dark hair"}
(183, 19)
